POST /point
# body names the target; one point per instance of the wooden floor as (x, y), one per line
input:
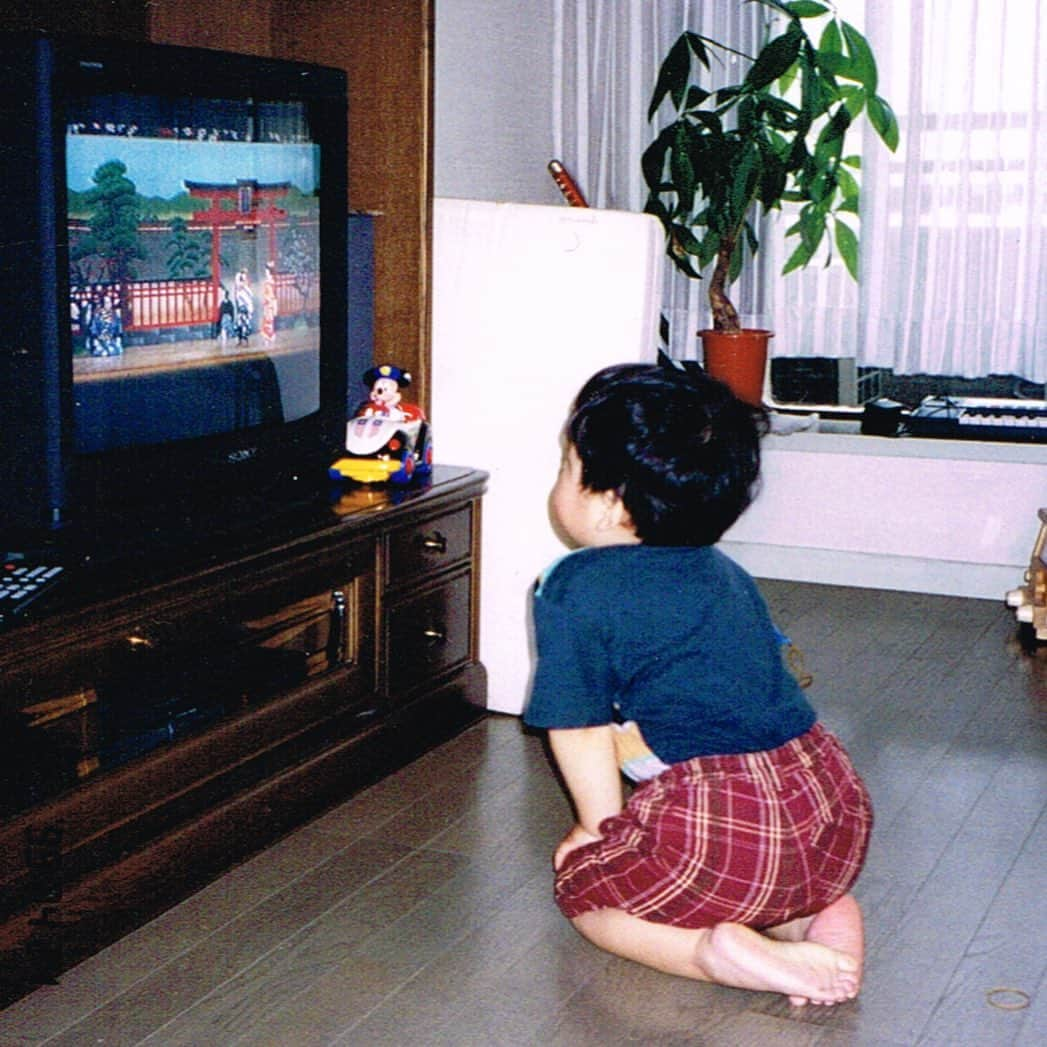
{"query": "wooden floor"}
(419, 912)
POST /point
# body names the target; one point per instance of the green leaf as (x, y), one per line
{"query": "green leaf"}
(772, 180)
(818, 92)
(798, 259)
(672, 76)
(695, 97)
(655, 207)
(681, 170)
(686, 240)
(653, 160)
(775, 58)
(830, 141)
(831, 42)
(882, 117)
(847, 244)
(862, 61)
(806, 9)
(835, 64)
(821, 187)
(727, 96)
(848, 185)
(676, 250)
(747, 116)
(777, 143)
(787, 79)
(812, 226)
(697, 45)
(798, 154)
(750, 238)
(854, 98)
(708, 248)
(744, 184)
(777, 112)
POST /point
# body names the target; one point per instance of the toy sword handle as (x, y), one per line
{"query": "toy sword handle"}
(568, 186)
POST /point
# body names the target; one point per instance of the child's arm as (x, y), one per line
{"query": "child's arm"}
(587, 761)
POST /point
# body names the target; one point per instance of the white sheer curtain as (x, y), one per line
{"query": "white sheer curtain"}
(607, 55)
(956, 258)
(954, 279)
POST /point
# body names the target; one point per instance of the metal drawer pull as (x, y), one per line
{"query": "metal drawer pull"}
(436, 543)
(434, 636)
(339, 614)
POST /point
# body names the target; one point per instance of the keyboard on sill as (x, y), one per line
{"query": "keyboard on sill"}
(980, 418)
(22, 582)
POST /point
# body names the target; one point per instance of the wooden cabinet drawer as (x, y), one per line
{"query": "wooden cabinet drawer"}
(429, 546)
(148, 686)
(322, 629)
(428, 634)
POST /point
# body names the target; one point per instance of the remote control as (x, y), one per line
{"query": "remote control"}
(22, 582)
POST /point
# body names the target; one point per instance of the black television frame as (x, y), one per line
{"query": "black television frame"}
(92, 500)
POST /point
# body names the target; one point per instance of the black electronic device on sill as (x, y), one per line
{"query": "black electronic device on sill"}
(881, 418)
(980, 418)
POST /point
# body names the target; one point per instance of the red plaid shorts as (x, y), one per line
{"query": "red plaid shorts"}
(754, 838)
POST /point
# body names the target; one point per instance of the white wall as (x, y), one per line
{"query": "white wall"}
(493, 101)
(918, 515)
(925, 516)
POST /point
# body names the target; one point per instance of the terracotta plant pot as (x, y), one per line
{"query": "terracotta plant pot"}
(738, 359)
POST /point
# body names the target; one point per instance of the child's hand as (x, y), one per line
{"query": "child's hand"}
(577, 837)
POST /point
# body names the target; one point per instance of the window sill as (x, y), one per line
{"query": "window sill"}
(844, 436)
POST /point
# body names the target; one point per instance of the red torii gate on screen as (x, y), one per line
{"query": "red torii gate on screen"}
(247, 204)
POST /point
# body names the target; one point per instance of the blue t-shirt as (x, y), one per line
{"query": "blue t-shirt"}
(678, 639)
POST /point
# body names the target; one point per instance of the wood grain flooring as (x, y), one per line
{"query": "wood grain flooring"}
(419, 911)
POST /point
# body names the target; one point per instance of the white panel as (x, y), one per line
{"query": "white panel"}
(908, 574)
(528, 302)
(940, 525)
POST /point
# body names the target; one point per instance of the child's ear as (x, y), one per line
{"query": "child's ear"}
(615, 515)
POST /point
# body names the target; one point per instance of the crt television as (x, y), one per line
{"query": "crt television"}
(172, 284)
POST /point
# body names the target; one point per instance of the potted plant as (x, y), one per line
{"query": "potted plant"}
(775, 137)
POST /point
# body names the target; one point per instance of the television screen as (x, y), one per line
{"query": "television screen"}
(194, 267)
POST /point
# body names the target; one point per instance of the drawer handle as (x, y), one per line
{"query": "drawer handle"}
(435, 543)
(144, 638)
(433, 637)
(339, 615)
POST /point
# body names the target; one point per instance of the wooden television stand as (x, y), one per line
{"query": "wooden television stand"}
(158, 729)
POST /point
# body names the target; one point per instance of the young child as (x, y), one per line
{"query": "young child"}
(734, 863)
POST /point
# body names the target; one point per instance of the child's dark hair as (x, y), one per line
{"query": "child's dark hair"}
(680, 450)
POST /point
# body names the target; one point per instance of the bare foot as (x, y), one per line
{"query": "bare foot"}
(806, 971)
(838, 926)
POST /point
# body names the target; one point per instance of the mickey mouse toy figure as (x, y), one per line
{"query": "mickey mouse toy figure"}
(386, 399)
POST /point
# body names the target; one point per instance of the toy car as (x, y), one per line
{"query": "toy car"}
(380, 449)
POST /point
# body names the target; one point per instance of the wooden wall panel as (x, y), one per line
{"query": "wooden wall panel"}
(386, 49)
(124, 18)
(244, 27)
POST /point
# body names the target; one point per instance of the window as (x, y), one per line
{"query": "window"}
(953, 298)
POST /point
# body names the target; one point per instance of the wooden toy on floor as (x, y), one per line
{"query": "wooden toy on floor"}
(1030, 600)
